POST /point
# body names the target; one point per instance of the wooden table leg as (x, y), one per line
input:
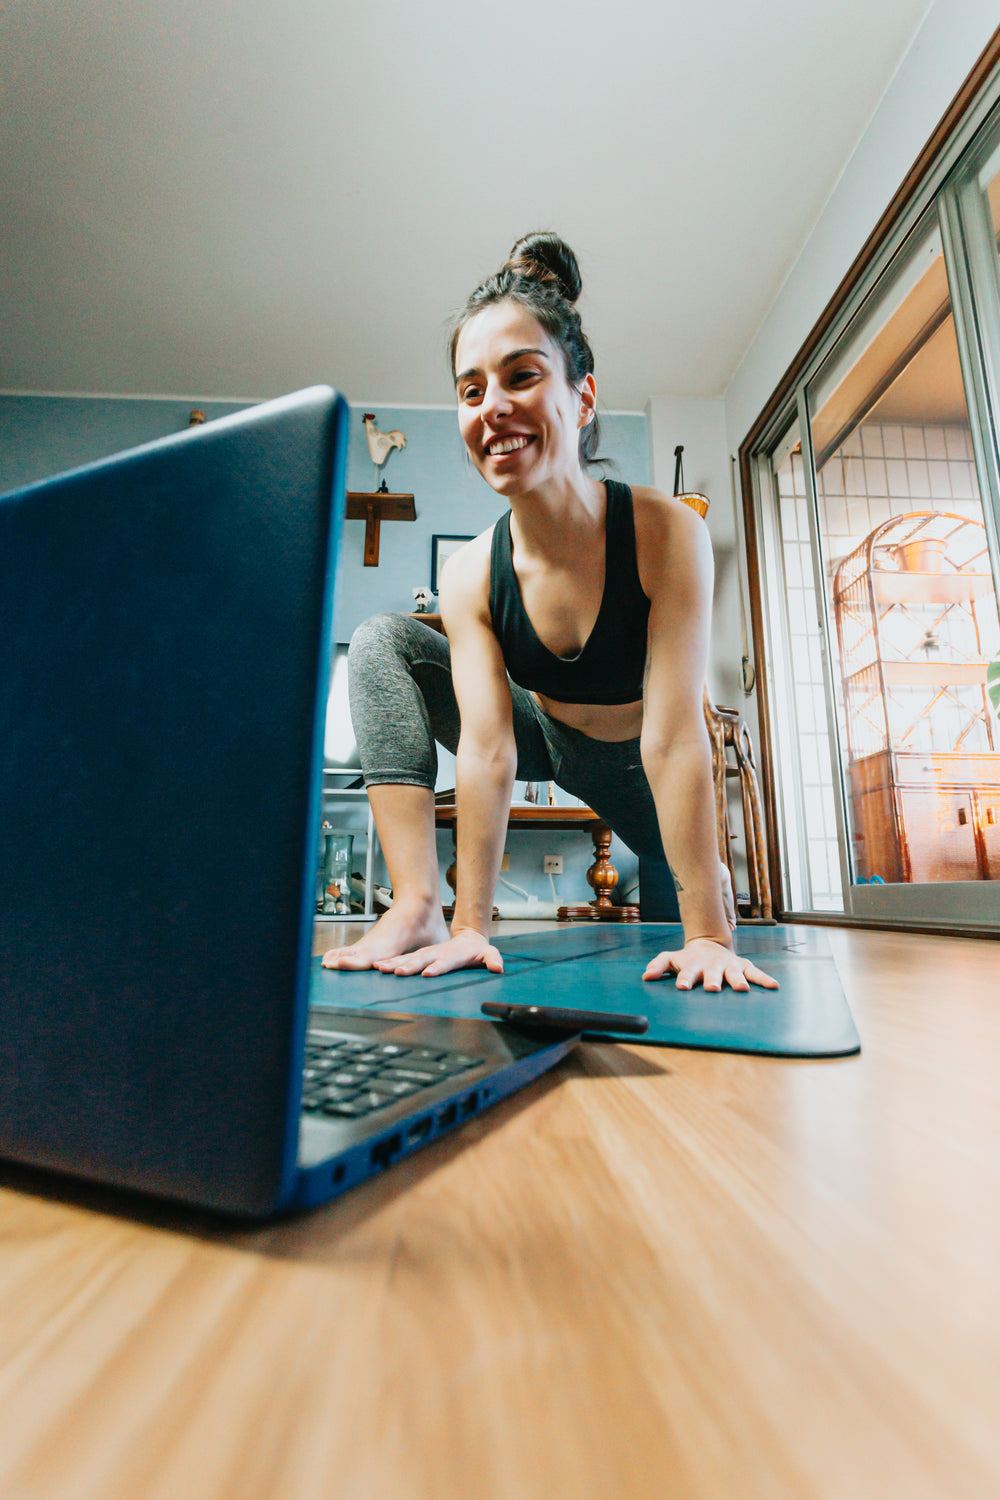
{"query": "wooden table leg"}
(602, 877)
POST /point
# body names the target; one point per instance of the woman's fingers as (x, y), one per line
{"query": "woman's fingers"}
(489, 959)
(757, 976)
(711, 965)
(662, 964)
(444, 958)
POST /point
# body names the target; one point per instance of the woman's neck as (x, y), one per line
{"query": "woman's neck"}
(559, 511)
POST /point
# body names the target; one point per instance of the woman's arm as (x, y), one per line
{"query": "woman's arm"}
(486, 760)
(676, 569)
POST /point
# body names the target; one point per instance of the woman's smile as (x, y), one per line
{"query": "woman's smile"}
(502, 447)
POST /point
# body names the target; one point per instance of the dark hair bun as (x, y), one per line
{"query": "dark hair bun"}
(543, 256)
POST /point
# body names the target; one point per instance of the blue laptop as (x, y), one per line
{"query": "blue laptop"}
(167, 619)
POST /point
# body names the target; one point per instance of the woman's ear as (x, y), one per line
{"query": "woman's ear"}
(588, 401)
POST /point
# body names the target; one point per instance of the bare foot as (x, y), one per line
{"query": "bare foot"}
(728, 900)
(403, 928)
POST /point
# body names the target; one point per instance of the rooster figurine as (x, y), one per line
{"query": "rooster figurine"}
(381, 444)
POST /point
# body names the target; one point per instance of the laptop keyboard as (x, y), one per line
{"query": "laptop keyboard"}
(350, 1076)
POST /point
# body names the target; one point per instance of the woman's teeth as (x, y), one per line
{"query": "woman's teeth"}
(507, 445)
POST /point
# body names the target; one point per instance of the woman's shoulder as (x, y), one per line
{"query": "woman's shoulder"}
(657, 512)
(470, 556)
(649, 495)
(670, 537)
(466, 575)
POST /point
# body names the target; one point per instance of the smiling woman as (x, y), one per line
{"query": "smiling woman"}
(541, 275)
(575, 651)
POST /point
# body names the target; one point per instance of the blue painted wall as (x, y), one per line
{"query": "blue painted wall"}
(42, 435)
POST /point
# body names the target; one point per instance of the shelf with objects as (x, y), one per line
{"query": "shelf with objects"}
(346, 814)
(916, 619)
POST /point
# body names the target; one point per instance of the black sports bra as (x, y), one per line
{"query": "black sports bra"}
(610, 666)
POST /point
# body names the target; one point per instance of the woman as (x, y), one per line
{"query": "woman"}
(577, 645)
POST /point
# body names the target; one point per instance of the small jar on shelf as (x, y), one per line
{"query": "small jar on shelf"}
(335, 873)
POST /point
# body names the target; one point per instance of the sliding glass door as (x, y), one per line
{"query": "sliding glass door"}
(878, 511)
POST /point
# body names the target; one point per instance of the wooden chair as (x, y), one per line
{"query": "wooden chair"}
(728, 733)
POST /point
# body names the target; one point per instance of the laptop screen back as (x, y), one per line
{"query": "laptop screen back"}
(167, 619)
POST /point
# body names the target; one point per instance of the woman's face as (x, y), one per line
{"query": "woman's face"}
(518, 414)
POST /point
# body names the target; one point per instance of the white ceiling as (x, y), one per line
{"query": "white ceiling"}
(236, 199)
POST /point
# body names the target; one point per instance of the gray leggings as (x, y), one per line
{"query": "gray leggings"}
(402, 700)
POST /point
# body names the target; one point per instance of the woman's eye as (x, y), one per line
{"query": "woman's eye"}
(471, 393)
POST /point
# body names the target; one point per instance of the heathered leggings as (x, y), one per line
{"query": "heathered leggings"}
(402, 700)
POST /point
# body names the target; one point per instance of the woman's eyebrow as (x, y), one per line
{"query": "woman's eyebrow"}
(508, 359)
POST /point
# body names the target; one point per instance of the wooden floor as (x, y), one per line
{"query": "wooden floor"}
(654, 1274)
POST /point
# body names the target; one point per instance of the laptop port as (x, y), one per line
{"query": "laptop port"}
(448, 1116)
(384, 1152)
(419, 1131)
(468, 1105)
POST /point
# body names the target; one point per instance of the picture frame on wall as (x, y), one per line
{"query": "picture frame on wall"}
(442, 548)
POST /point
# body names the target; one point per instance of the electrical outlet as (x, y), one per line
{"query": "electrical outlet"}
(552, 864)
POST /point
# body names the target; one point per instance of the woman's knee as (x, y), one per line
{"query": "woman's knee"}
(375, 639)
(387, 638)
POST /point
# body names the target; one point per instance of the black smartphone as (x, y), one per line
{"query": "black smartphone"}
(554, 1017)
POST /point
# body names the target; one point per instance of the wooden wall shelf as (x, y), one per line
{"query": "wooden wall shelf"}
(374, 508)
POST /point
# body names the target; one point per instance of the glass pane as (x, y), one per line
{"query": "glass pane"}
(809, 817)
(910, 594)
(993, 195)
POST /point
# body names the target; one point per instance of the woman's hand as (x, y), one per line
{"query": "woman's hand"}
(712, 963)
(465, 949)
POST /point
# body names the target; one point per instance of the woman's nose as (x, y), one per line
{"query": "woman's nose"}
(496, 402)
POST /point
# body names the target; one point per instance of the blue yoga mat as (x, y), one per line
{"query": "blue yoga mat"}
(600, 968)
